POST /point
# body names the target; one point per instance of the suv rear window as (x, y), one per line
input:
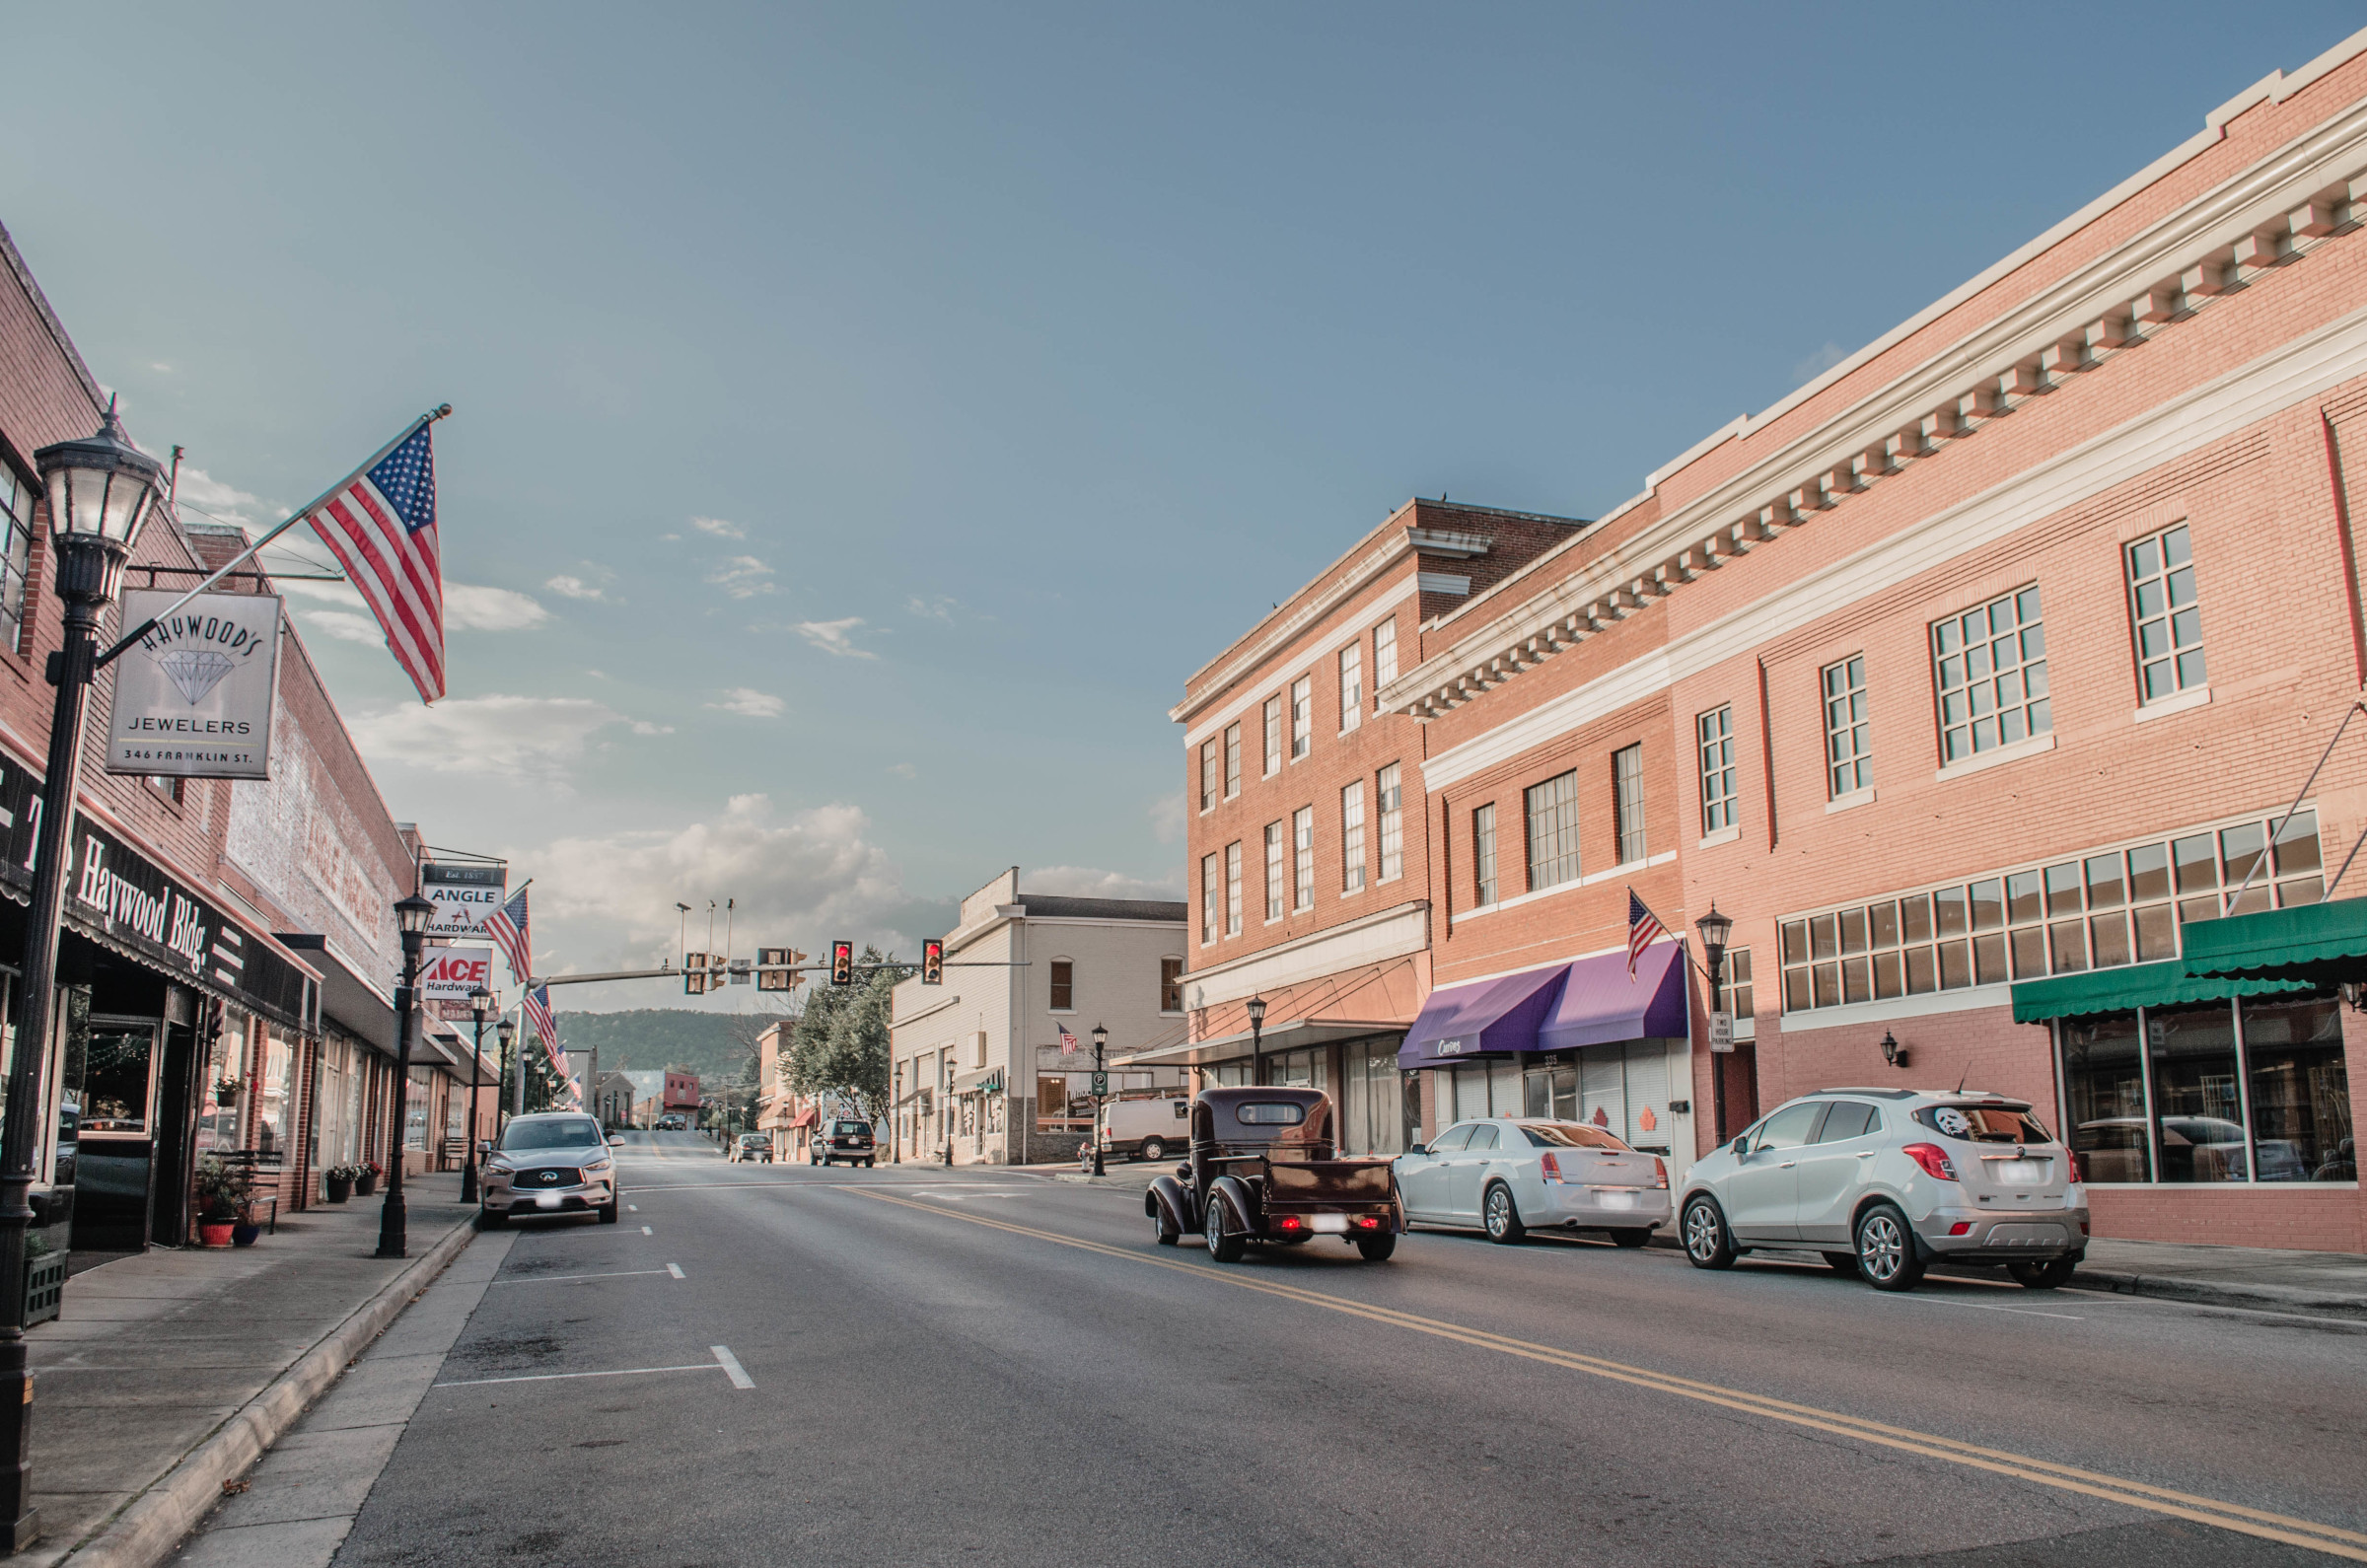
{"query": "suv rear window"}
(1569, 1135)
(1984, 1123)
(844, 1129)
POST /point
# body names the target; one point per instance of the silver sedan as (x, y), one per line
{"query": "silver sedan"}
(1512, 1175)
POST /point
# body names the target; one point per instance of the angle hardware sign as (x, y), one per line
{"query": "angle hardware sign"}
(463, 894)
(193, 698)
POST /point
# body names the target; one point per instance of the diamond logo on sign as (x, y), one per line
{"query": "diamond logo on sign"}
(194, 675)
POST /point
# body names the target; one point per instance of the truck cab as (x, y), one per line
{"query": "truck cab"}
(1263, 1169)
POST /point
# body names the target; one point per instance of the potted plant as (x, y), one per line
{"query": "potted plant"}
(340, 1182)
(244, 1230)
(220, 1191)
(44, 1278)
(228, 1090)
(365, 1179)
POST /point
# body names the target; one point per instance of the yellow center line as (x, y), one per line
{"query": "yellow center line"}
(2045, 1472)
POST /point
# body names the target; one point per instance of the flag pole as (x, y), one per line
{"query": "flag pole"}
(306, 511)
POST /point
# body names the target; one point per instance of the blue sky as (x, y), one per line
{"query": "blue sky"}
(868, 415)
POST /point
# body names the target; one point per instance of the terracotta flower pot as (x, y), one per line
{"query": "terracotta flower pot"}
(212, 1234)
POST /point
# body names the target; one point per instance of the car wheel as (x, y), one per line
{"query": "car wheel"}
(871, 1163)
(1842, 1263)
(2044, 1276)
(1707, 1244)
(1501, 1216)
(1630, 1238)
(1376, 1249)
(1222, 1247)
(1152, 1149)
(608, 1211)
(1160, 1232)
(491, 1219)
(1886, 1249)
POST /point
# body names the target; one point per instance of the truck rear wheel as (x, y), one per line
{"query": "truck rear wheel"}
(1376, 1249)
(1160, 1232)
(1222, 1247)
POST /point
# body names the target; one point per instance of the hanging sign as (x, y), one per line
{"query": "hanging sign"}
(454, 975)
(463, 894)
(193, 698)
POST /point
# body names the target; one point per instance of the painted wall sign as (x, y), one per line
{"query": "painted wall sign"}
(193, 698)
(463, 894)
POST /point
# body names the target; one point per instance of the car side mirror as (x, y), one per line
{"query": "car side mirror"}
(1741, 1146)
(617, 1140)
(1417, 1148)
(485, 1146)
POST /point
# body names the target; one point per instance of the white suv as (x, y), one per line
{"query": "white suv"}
(1886, 1181)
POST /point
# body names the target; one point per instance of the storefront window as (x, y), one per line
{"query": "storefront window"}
(2104, 1098)
(414, 1110)
(2199, 1112)
(272, 1124)
(2301, 1126)
(115, 1095)
(73, 1055)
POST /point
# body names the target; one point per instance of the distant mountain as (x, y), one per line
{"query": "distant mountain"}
(660, 1036)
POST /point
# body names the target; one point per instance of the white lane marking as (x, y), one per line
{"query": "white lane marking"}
(732, 1368)
(1979, 1306)
(555, 1377)
(554, 1279)
(676, 1269)
(646, 1231)
(632, 1208)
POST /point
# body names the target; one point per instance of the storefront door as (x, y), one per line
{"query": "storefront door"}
(116, 1153)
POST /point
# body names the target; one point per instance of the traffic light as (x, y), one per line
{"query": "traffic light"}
(932, 961)
(694, 973)
(842, 963)
(773, 967)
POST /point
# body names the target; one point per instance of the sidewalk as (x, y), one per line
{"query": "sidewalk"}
(2261, 1278)
(159, 1352)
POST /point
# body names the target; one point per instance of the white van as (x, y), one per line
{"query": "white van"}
(1145, 1129)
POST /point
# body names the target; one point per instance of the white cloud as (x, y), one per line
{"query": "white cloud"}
(1818, 363)
(340, 592)
(537, 739)
(938, 608)
(1086, 882)
(470, 607)
(346, 625)
(834, 636)
(210, 497)
(743, 577)
(903, 770)
(751, 703)
(1167, 817)
(719, 527)
(576, 587)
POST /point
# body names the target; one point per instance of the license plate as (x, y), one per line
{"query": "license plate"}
(546, 1201)
(1327, 1224)
(1614, 1201)
(2018, 1170)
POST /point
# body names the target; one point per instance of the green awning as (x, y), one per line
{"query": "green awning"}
(2324, 944)
(2133, 985)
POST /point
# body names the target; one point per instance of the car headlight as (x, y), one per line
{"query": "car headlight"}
(599, 1163)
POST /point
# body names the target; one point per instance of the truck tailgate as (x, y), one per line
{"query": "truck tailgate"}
(1328, 1182)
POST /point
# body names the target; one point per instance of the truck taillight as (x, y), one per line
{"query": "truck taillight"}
(1288, 1222)
(1933, 1159)
(1660, 1173)
(1549, 1167)
(1368, 1222)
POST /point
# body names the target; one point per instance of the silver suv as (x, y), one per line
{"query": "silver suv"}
(549, 1162)
(1887, 1181)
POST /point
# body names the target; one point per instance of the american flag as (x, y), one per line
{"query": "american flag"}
(1643, 929)
(509, 931)
(381, 525)
(1068, 1041)
(537, 1012)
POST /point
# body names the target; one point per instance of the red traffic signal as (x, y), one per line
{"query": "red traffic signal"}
(842, 963)
(932, 961)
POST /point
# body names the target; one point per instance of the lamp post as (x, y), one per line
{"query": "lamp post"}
(100, 492)
(480, 1004)
(1715, 928)
(1256, 1041)
(410, 916)
(504, 1034)
(1101, 1040)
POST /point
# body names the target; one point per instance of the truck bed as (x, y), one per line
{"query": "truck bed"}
(1319, 1182)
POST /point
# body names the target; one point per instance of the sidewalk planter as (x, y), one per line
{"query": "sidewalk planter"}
(243, 1232)
(365, 1184)
(215, 1232)
(45, 1287)
(340, 1188)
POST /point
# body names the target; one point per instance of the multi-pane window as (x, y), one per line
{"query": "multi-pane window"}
(1273, 736)
(1302, 857)
(1301, 716)
(16, 550)
(1385, 654)
(1734, 986)
(1483, 853)
(1715, 730)
(1233, 888)
(1351, 685)
(1351, 837)
(1171, 985)
(1390, 802)
(1275, 872)
(1208, 898)
(1064, 985)
(2161, 608)
(1553, 831)
(2096, 911)
(1208, 775)
(1848, 728)
(1627, 801)
(1993, 676)
(1232, 760)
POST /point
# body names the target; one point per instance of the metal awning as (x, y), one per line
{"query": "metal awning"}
(2130, 986)
(1600, 1003)
(2321, 944)
(1486, 1018)
(988, 1079)
(1236, 1047)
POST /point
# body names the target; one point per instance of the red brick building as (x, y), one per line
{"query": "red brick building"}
(1967, 679)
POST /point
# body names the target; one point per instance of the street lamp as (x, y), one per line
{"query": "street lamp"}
(100, 492)
(1256, 1039)
(1715, 928)
(1101, 1040)
(410, 917)
(480, 1004)
(504, 1034)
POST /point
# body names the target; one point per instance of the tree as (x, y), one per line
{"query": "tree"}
(839, 1046)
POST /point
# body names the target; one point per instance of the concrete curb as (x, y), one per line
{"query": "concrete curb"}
(2215, 1293)
(147, 1530)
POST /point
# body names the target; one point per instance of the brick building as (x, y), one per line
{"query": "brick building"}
(1967, 678)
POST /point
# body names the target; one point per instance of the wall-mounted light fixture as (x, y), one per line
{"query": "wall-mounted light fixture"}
(1892, 1051)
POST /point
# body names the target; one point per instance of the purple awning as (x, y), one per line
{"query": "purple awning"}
(1599, 1004)
(1488, 1018)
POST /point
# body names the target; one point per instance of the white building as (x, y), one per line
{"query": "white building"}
(979, 1063)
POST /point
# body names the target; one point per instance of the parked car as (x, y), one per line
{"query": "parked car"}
(548, 1162)
(751, 1147)
(1144, 1129)
(1263, 1169)
(1886, 1181)
(843, 1138)
(1512, 1175)
(668, 1124)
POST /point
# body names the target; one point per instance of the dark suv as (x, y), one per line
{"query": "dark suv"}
(842, 1138)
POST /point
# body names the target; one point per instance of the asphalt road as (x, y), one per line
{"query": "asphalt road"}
(774, 1364)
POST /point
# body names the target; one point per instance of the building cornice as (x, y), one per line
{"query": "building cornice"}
(2276, 212)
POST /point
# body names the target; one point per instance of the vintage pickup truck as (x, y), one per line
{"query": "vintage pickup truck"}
(1261, 1170)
